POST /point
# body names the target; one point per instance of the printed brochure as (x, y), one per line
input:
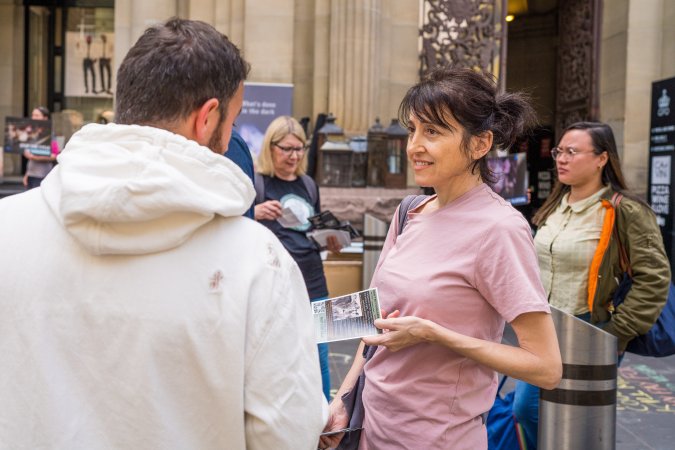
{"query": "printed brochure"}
(289, 219)
(321, 237)
(350, 316)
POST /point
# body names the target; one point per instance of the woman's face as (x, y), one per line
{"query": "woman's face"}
(585, 166)
(287, 155)
(37, 115)
(436, 153)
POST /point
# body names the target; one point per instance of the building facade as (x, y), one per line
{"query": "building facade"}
(578, 59)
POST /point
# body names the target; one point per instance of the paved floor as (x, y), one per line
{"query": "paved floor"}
(646, 403)
(645, 397)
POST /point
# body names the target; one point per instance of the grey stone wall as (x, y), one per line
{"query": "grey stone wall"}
(351, 203)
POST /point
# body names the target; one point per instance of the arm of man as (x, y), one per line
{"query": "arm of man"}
(284, 404)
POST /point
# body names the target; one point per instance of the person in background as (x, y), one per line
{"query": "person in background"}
(463, 266)
(105, 117)
(578, 252)
(172, 322)
(39, 166)
(238, 153)
(281, 165)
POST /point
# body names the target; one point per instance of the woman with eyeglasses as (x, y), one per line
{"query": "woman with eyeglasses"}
(281, 188)
(578, 252)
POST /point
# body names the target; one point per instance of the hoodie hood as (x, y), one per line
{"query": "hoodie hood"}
(129, 189)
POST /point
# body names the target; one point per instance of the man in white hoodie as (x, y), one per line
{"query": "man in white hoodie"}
(138, 309)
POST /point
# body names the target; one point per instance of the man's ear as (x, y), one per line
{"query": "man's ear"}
(206, 120)
(481, 145)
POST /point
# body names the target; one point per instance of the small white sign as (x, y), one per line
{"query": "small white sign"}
(661, 169)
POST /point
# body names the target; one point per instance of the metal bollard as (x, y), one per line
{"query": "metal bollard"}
(581, 411)
(374, 233)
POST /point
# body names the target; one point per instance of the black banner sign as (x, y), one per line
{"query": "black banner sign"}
(661, 155)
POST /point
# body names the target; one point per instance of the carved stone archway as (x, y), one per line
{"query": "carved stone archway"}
(577, 96)
(468, 33)
(472, 33)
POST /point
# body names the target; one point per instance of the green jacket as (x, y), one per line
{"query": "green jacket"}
(642, 240)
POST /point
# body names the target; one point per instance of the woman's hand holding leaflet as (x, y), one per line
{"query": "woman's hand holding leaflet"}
(400, 332)
(269, 210)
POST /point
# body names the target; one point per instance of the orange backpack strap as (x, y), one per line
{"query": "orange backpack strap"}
(605, 235)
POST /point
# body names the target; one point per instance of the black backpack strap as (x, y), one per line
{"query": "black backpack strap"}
(410, 202)
(624, 262)
(259, 185)
(501, 383)
(311, 187)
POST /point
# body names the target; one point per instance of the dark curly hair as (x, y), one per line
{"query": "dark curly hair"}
(173, 69)
(474, 100)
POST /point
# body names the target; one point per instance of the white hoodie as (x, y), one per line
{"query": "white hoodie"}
(139, 310)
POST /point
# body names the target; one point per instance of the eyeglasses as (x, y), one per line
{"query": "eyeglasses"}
(570, 152)
(289, 150)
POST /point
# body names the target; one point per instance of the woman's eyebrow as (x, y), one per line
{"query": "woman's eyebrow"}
(439, 127)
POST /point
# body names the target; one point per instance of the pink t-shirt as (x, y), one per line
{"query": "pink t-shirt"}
(468, 266)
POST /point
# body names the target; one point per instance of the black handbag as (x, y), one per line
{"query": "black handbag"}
(353, 402)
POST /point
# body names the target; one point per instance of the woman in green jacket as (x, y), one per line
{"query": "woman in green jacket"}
(579, 254)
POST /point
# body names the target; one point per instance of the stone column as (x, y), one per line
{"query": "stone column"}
(637, 49)
(303, 59)
(398, 55)
(612, 76)
(133, 17)
(227, 16)
(668, 40)
(230, 20)
(643, 63)
(321, 57)
(354, 68)
(203, 10)
(268, 40)
(11, 74)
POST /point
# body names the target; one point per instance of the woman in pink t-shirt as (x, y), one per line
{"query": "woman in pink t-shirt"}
(463, 265)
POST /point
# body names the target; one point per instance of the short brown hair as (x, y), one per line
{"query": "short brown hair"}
(173, 69)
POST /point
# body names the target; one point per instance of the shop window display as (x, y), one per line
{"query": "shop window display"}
(88, 58)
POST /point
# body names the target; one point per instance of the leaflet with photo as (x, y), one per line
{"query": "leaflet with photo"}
(289, 219)
(321, 237)
(350, 316)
